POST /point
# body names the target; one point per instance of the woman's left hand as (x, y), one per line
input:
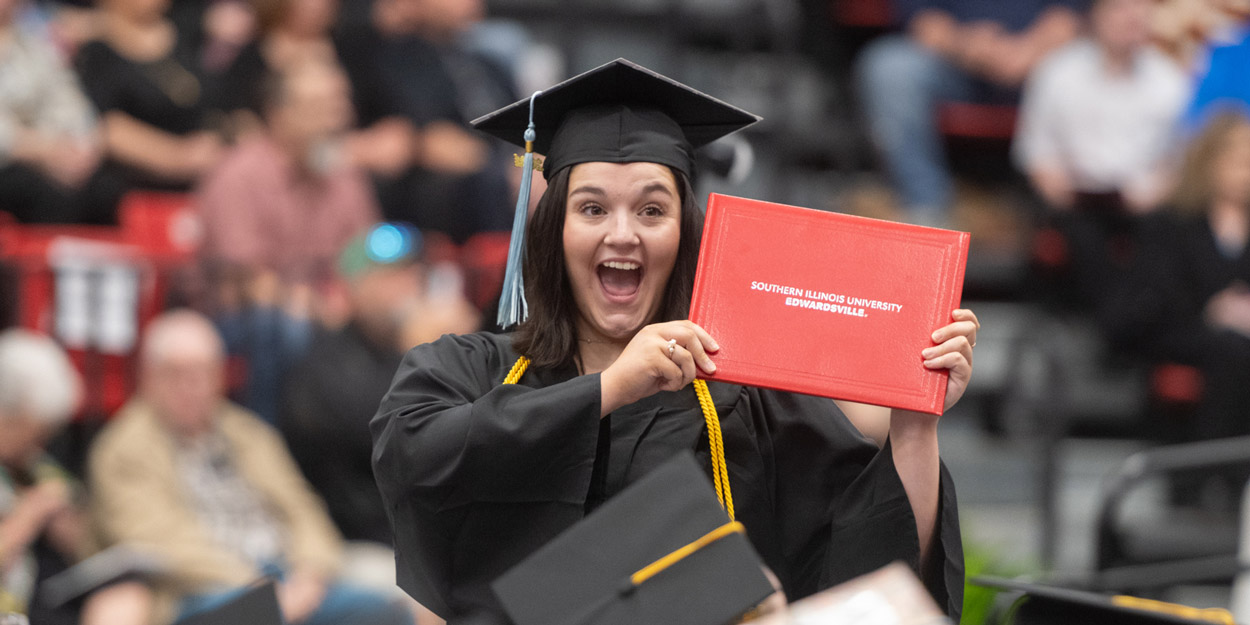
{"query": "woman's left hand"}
(953, 352)
(913, 435)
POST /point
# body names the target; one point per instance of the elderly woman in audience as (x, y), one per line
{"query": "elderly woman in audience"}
(42, 528)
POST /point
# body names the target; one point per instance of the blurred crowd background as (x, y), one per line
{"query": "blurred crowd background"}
(223, 222)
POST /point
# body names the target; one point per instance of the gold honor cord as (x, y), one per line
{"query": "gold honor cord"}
(518, 370)
(1209, 615)
(716, 446)
(653, 569)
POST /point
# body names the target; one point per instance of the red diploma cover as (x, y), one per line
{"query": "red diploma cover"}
(826, 304)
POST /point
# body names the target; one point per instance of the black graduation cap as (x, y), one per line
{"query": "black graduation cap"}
(1048, 605)
(619, 112)
(257, 606)
(662, 551)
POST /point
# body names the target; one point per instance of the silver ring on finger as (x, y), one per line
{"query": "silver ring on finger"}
(672, 347)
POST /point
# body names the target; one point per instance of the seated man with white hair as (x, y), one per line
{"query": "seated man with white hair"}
(183, 475)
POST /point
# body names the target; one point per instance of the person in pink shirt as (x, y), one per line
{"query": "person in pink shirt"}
(277, 212)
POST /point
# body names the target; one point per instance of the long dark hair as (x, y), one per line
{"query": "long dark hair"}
(549, 336)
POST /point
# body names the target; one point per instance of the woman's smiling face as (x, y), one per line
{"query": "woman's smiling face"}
(622, 228)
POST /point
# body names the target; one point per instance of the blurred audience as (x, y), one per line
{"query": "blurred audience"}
(1186, 28)
(1099, 115)
(220, 29)
(42, 530)
(283, 201)
(43, 527)
(292, 32)
(49, 150)
(1098, 131)
(142, 77)
(276, 213)
(185, 476)
(333, 393)
(1225, 80)
(953, 50)
(1188, 297)
(461, 183)
(335, 389)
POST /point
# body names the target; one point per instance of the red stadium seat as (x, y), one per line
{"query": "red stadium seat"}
(1049, 250)
(95, 287)
(977, 121)
(1176, 384)
(862, 13)
(484, 257)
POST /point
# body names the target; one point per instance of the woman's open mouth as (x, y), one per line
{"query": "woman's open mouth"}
(620, 279)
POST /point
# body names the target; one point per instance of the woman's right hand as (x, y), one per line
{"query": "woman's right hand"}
(646, 366)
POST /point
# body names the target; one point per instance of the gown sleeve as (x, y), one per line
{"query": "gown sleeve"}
(842, 510)
(476, 474)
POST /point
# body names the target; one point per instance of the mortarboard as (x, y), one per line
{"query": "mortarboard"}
(662, 551)
(1048, 605)
(619, 112)
(256, 606)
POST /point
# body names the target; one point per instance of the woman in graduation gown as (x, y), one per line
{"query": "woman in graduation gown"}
(477, 474)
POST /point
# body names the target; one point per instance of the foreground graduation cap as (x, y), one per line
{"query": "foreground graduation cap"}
(1047, 605)
(619, 112)
(662, 551)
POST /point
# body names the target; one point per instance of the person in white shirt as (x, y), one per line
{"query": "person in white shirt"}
(1099, 116)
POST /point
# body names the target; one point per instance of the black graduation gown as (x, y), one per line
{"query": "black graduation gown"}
(476, 475)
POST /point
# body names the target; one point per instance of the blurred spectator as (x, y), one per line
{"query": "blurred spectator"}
(1185, 28)
(41, 528)
(49, 151)
(277, 212)
(461, 184)
(283, 200)
(142, 77)
(336, 387)
(1225, 83)
(961, 50)
(1188, 299)
(219, 28)
(333, 393)
(186, 476)
(297, 31)
(1099, 115)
